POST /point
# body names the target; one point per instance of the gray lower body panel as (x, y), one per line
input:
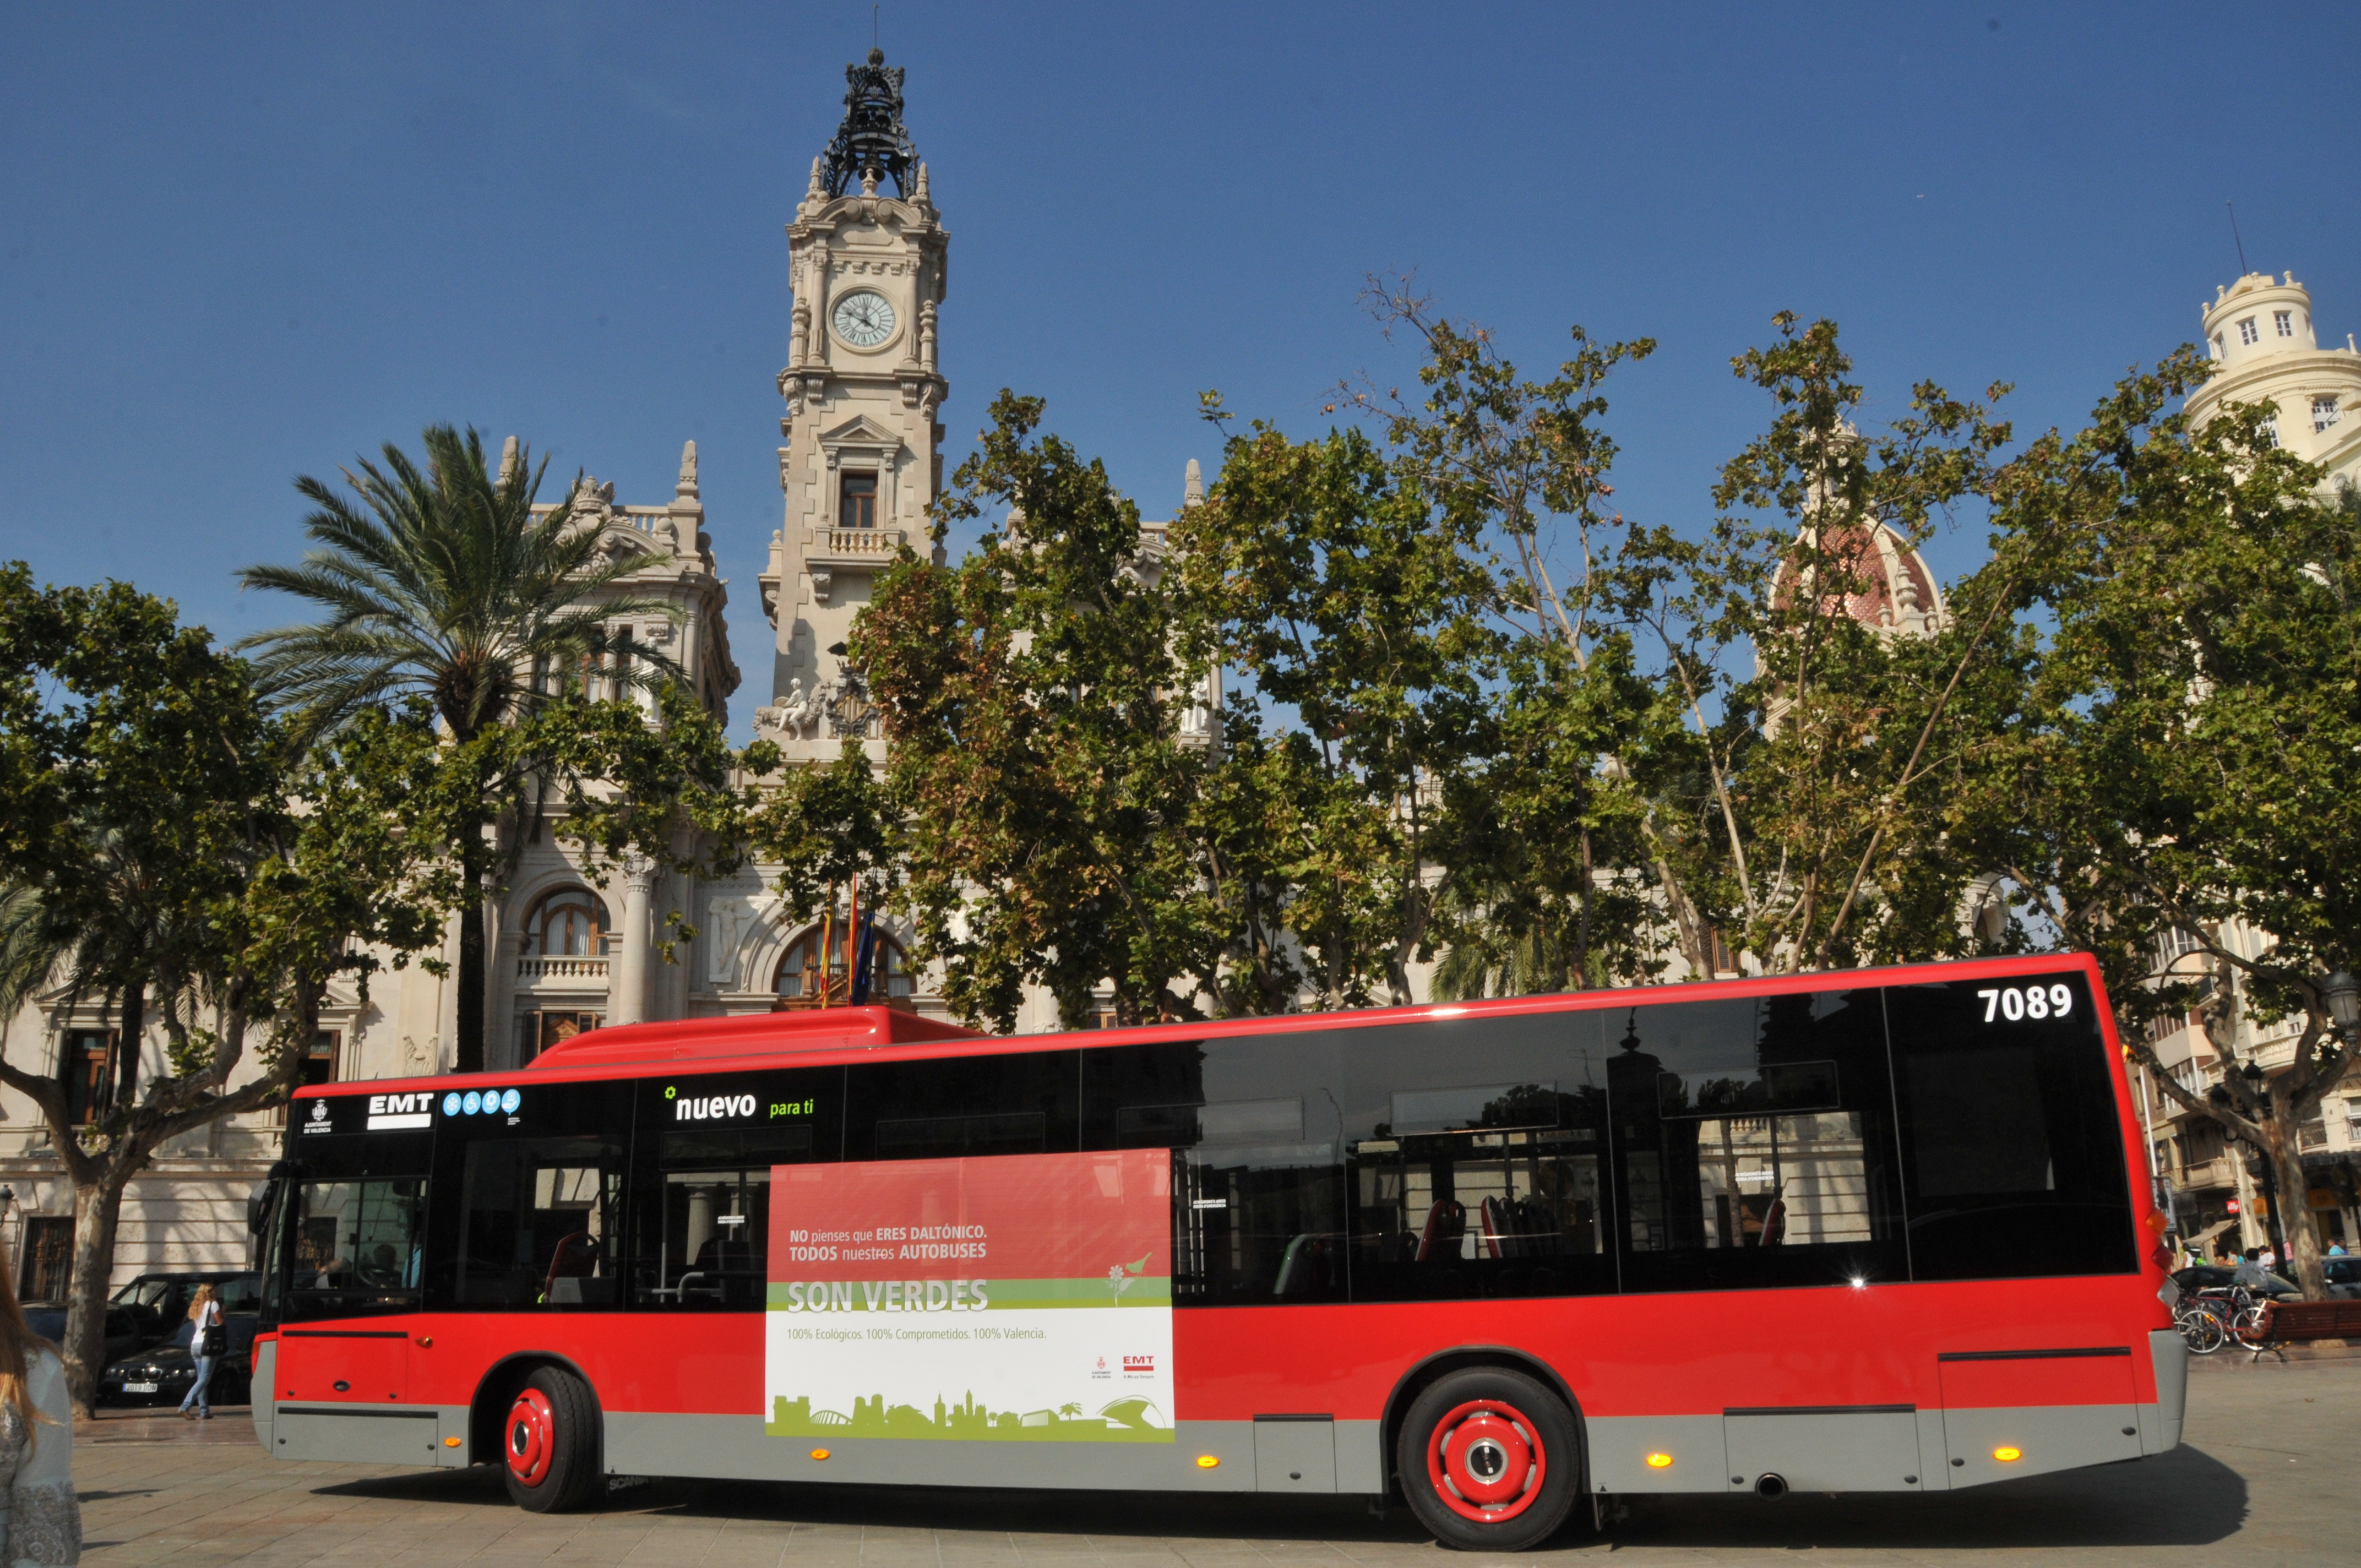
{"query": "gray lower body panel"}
(2160, 1422)
(2042, 1438)
(1869, 1450)
(265, 1379)
(1823, 1450)
(366, 1434)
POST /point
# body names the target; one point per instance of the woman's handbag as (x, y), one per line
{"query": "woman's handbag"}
(214, 1341)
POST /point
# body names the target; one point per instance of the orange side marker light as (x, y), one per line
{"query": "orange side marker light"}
(2007, 1454)
(450, 1443)
(820, 1453)
(1207, 1461)
(1660, 1462)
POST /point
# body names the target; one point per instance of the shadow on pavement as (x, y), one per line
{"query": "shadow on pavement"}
(2181, 1498)
(1143, 1514)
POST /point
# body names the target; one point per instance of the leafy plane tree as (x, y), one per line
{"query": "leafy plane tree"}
(438, 581)
(2179, 763)
(127, 740)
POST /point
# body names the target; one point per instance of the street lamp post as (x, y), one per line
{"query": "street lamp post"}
(2275, 1230)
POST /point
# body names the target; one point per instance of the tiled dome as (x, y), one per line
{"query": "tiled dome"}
(1884, 582)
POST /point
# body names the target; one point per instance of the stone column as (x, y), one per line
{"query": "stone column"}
(627, 979)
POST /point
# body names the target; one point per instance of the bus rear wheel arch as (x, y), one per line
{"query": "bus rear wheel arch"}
(1489, 1458)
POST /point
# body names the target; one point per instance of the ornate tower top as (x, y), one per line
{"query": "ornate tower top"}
(871, 144)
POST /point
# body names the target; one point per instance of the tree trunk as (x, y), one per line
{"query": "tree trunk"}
(467, 1055)
(2291, 1204)
(127, 1042)
(98, 1207)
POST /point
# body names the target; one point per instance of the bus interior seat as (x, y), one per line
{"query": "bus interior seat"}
(1446, 1225)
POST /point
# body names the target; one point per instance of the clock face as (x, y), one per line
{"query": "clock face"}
(862, 319)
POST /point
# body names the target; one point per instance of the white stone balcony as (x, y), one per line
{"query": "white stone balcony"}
(854, 543)
(563, 973)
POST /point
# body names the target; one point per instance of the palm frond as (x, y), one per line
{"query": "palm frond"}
(433, 575)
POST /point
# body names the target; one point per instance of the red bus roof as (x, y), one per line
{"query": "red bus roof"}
(823, 1036)
(757, 1033)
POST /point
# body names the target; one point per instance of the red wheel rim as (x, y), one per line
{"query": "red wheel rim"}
(1487, 1462)
(532, 1432)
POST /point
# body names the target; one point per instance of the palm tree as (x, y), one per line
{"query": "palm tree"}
(30, 950)
(441, 583)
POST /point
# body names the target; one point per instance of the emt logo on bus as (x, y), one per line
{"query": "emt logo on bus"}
(391, 1113)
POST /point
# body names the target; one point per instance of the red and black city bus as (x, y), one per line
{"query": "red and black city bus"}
(1870, 1231)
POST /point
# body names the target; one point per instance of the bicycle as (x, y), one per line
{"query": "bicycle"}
(2242, 1314)
(2201, 1325)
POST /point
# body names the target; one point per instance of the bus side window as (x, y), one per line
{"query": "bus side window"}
(356, 1248)
(706, 1153)
(537, 1209)
(1476, 1153)
(1258, 1187)
(1754, 1143)
(540, 1217)
(2014, 1151)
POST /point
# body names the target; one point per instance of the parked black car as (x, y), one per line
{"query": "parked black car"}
(160, 1301)
(125, 1331)
(161, 1374)
(2213, 1276)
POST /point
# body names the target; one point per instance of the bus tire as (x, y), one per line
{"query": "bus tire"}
(549, 1444)
(1489, 1460)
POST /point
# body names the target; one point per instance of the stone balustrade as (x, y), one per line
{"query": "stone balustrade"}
(533, 970)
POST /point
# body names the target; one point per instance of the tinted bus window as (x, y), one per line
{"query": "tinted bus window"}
(536, 1199)
(357, 1247)
(704, 1188)
(2013, 1155)
(1753, 1143)
(1474, 1153)
(1024, 1102)
(1257, 1185)
(351, 1235)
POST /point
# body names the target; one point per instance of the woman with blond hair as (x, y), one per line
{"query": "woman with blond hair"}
(208, 1342)
(40, 1522)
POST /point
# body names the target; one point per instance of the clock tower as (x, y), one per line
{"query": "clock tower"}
(860, 461)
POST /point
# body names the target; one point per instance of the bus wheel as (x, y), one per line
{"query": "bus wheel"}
(1489, 1460)
(550, 1442)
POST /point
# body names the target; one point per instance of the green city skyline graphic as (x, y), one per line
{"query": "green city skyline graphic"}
(1127, 1419)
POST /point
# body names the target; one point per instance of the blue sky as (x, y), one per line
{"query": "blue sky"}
(241, 243)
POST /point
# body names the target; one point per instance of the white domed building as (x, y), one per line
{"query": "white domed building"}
(2259, 331)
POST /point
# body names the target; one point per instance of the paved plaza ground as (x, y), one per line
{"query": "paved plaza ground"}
(2271, 1471)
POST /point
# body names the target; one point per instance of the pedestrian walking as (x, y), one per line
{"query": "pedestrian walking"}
(208, 1343)
(41, 1521)
(2251, 1272)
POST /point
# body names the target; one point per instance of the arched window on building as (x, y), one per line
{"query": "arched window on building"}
(798, 983)
(568, 924)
